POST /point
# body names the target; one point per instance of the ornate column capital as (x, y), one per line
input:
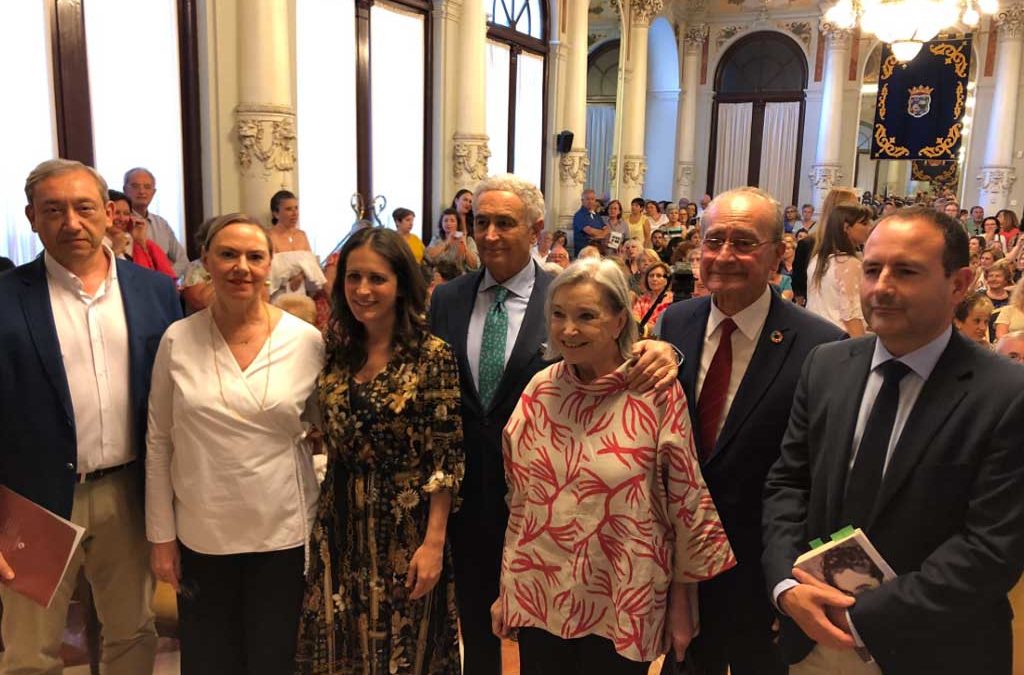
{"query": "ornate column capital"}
(835, 37)
(266, 138)
(695, 36)
(642, 12)
(1011, 22)
(825, 176)
(684, 176)
(572, 168)
(634, 170)
(470, 153)
(997, 179)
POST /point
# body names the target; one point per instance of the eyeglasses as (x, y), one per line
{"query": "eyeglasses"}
(742, 246)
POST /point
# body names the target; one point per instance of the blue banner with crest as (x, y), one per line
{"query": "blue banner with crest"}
(921, 104)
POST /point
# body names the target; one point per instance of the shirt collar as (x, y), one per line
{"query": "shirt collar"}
(520, 285)
(749, 320)
(922, 360)
(71, 281)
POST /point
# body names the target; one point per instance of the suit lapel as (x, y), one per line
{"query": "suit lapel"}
(35, 303)
(768, 358)
(464, 304)
(531, 334)
(852, 377)
(939, 396)
(691, 344)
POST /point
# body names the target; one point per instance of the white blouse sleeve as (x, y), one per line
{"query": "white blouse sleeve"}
(160, 526)
(847, 270)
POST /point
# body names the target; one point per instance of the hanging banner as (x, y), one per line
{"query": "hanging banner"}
(940, 173)
(920, 104)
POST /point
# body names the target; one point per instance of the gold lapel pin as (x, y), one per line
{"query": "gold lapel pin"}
(776, 337)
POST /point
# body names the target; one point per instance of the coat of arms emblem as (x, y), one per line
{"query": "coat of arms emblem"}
(919, 103)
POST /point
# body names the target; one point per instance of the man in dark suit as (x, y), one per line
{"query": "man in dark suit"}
(738, 440)
(78, 334)
(494, 321)
(913, 435)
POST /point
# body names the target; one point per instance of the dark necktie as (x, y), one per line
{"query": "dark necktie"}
(715, 391)
(865, 477)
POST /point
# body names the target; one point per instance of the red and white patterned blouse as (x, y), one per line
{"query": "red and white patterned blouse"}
(607, 509)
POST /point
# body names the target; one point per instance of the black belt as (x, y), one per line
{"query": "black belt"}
(101, 473)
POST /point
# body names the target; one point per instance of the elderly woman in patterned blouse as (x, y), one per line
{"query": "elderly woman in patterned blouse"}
(611, 524)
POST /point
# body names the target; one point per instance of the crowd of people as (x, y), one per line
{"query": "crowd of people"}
(608, 445)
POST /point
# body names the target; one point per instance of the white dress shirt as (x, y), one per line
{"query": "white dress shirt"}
(921, 362)
(520, 287)
(227, 471)
(749, 323)
(93, 336)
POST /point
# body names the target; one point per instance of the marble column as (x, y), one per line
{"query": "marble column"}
(629, 164)
(825, 171)
(265, 115)
(470, 151)
(691, 41)
(997, 172)
(572, 166)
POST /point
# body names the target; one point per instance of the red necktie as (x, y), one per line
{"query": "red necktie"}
(711, 404)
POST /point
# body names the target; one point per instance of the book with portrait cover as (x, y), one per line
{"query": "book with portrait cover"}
(848, 563)
(37, 544)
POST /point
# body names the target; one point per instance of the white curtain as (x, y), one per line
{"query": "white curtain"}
(732, 156)
(600, 133)
(778, 149)
(499, 61)
(529, 132)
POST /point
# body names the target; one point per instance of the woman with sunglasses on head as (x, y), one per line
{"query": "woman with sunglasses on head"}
(380, 593)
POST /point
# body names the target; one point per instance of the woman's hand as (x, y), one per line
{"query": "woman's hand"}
(165, 561)
(678, 621)
(424, 570)
(498, 625)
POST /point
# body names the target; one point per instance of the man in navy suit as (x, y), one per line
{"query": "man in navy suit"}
(494, 368)
(739, 393)
(78, 333)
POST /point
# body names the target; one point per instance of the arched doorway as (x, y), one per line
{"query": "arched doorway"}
(760, 95)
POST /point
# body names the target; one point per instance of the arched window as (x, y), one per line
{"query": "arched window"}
(759, 93)
(516, 75)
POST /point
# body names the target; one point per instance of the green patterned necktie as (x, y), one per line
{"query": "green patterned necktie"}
(492, 346)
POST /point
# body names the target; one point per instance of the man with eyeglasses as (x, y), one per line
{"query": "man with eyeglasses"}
(140, 186)
(744, 348)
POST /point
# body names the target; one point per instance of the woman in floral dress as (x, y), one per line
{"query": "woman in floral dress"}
(379, 591)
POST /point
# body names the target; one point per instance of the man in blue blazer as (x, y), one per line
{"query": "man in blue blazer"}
(739, 394)
(78, 333)
(512, 288)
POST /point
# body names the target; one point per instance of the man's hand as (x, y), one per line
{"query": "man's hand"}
(140, 229)
(165, 561)
(816, 607)
(655, 366)
(6, 573)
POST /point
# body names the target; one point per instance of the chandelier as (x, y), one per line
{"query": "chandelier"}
(907, 24)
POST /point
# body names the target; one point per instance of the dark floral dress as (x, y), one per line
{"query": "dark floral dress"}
(391, 442)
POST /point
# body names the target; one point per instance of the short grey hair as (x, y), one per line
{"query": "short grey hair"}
(56, 167)
(138, 169)
(609, 278)
(777, 223)
(533, 200)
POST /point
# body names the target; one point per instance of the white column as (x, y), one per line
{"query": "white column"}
(691, 41)
(572, 166)
(265, 115)
(469, 143)
(629, 165)
(997, 173)
(826, 169)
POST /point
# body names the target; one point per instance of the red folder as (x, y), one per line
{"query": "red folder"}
(37, 544)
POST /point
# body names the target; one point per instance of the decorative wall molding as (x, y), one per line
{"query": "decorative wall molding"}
(257, 152)
(726, 33)
(835, 37)
(694, 37)
(801, 29)
(634, 170)
(825, 176)
(572, 168)
(684, 175)
(470, 153)
(1011, 22)
(613, 166)
(997, 179)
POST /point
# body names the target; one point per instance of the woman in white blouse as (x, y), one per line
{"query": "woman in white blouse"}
(230, 488)
(833, 275)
